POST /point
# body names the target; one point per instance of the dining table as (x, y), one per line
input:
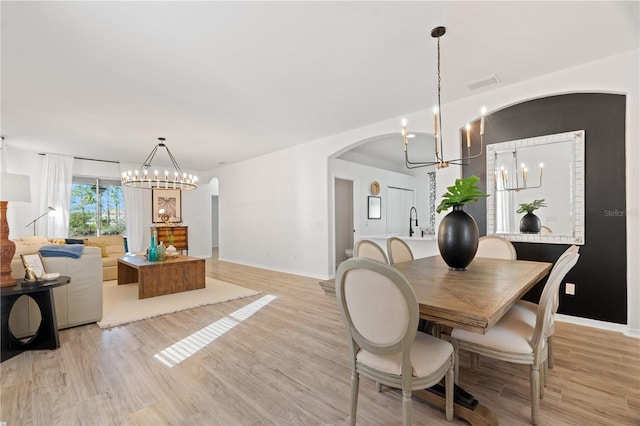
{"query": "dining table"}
(473, 299)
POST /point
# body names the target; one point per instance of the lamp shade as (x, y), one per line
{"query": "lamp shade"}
(14, 187)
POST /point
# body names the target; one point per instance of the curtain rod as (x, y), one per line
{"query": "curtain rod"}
(89, 159)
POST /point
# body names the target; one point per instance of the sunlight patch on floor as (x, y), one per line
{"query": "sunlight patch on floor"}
(178, 352)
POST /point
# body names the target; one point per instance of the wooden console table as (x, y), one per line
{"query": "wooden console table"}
(180, 236)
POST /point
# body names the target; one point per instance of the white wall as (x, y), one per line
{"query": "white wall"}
(275, 210)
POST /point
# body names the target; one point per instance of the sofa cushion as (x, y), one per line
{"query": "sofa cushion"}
(109, 261)
(36, 239)
(29, 245)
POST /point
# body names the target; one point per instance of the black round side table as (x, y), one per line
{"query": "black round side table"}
(46, 336)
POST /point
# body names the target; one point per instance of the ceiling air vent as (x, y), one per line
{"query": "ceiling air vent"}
(481, 82)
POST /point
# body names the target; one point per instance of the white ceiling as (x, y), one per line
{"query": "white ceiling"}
(227, 81)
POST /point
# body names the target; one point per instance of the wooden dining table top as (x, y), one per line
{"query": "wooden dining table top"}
(473, 299)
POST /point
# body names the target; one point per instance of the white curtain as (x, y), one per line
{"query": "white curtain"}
(505, 212)
(134, 202)
(57, 175)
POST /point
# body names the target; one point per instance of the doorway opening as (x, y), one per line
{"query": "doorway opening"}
(343, 220)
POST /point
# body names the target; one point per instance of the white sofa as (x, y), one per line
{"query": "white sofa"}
(77, 303)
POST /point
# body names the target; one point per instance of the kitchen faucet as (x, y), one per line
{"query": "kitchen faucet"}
(412, 221)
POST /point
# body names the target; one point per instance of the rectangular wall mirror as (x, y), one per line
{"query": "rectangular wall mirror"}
(374, 210)
(549, 168)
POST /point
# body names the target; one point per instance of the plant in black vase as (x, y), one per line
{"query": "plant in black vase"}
(530, 223)
(458, 232)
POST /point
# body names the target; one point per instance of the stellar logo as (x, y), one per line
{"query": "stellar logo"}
(613, 213)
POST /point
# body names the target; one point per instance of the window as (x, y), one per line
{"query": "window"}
(97, 207)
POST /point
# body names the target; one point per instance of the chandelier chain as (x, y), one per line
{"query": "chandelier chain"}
(439, 109)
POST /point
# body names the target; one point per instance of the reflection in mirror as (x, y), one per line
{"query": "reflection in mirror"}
(549, 168)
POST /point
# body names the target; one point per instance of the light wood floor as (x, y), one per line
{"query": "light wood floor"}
(286, 365)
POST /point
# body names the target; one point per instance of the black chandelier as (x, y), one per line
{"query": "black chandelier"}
(439, 161)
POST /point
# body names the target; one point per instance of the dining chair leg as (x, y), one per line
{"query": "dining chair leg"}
(543, 379)
(406, 405)
(456, 360)
(448, 383)
(535, 393)
(355, 384)
(550, 351)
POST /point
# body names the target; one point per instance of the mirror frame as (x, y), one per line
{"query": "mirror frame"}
(577, 186)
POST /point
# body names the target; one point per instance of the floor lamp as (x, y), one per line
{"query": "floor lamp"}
(49, 210)
(13, 187)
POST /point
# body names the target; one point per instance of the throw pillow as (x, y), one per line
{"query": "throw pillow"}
(102, 246)
(73, 241)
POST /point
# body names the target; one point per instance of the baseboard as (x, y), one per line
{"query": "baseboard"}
(275, 269)
(602, 325)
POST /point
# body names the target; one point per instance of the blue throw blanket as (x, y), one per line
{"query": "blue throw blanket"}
(62, 250)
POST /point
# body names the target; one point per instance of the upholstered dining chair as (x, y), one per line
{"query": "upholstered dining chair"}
(513, 340)
(380, 311)
(370, 250)
(527, 311)
(399, 250)
(496, 247)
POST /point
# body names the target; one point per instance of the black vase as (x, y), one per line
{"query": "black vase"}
(530, 224)
(458, 239)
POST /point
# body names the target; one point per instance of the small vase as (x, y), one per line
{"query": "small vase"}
(161, 251)
(153, 250)
(458, 239)
(530, 224)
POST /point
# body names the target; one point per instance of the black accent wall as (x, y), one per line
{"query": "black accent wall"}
(601, 272)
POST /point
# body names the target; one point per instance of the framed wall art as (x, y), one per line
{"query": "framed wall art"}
(167, 206)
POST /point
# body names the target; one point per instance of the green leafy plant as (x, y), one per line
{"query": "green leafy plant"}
(530, 207)
(464, 191)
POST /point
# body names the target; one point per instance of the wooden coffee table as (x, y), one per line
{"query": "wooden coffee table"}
(168, 276)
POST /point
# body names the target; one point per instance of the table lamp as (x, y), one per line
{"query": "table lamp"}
(13, 187)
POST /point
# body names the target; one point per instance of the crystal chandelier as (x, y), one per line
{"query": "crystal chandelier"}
(143, 178)
(439, 161)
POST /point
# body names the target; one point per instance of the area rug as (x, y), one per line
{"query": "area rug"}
(120, 303)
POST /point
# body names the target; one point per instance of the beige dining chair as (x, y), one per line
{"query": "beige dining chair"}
(527, 311)
(399, 250)
(545, 230)
(370, 250)
(514, 340)
(496, 247)
(380, 311)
